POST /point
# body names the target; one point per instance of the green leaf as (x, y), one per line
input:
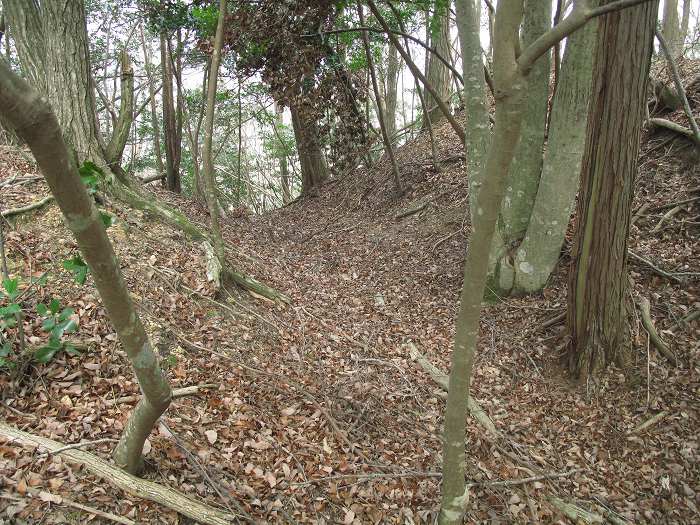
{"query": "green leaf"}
(65, 314)
(70, 349)
(8, 323)
(45, 354)
(78, 267)
(54, 306)
(5, 349)
(11, 286)
(42, 309)
(11, 309)
(107, 219)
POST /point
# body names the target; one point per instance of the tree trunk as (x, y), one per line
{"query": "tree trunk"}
(36, 123)
(69, 82)
(398, 188)
(208, 171)
(25, 19)
(685, 21)
(671, 28)
(172, 157)
(539, 252)
(437, 72)
(314, 169)
(509, 111)
(120, 134)
(598, 283)
(477, 132)
(150, 73)
(526, 168)
(284, 168)
(392, 78)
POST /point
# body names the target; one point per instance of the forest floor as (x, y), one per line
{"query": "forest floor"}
(318, 413)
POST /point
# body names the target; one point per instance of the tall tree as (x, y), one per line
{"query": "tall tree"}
(170, 116)
(391, 97)
(150, 75)
(207, 154)
(511, 65)
(597, 318)
(437, 72)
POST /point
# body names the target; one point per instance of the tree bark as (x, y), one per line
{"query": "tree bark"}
(539, 251)
(24, 17)
(598, 300)
(314, 169)
(398, 188)
(160, 170)
(172, 147)
(671, 28)
(477, 132)
(524, 176)
(34, 121)
(392, 78)
(208, 171)
(437, 73)
(120, 134)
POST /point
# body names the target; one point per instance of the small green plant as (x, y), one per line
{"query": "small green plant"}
(8, 317)
(57, 322)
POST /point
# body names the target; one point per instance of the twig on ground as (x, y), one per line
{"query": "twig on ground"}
(687, 319)
(655, 268)
(645, 309)
(368, 477)
(178, 392)
(82, 444)
(649, 422)
(94, 511)
(666, 216)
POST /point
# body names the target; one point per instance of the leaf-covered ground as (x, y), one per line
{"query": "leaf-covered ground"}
(317, 413)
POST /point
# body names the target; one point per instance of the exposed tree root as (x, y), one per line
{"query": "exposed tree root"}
(649, 422)
(676, 128)
(654, 337)
(442, 379)
(174, 218)
(171, 498)
(579, 515)
(29, 207)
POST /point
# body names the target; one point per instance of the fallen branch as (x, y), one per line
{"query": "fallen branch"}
(61, 500)
(29, 207)
(82, 444)
(666, 216)
(677, 203)
(551, 322)
(442, 379)
(523, 481)
(411, 211)
(575, 513)
(141, 488)
(178, 392)
(645, 309)
(367, 477)
(649, 422)
(18, 181)
(687, 319)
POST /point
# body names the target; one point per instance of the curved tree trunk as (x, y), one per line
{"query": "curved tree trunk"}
(524, 176)
(37, 125)
(598, 283)
(539, 252)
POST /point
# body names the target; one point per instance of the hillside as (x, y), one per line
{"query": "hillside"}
(316, 412)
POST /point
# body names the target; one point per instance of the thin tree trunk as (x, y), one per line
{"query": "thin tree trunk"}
(392, 77)
(398, 187)
(154, 106)
(36, 123)
(598, 284)
(208, 171)
(284, 169)
(685, 21)
(314, 169)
